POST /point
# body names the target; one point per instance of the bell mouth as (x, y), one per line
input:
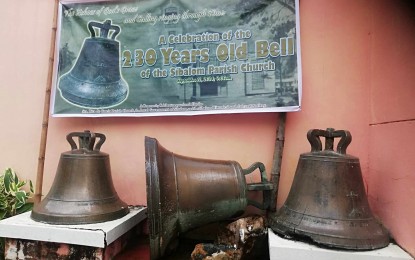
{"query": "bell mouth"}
(153, 197)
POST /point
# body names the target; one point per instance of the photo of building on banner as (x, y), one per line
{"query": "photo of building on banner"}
(176, 57)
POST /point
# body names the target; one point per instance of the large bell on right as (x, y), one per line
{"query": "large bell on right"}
(327, 202)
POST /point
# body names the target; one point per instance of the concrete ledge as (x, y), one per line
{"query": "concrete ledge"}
(280, 248)
(94, 235)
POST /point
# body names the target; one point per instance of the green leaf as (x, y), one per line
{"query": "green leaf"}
(19, 204)
(2, 213)
(8, 170)
(31, 187)
(20, 184)
(21, 197)
(16, 179)
(7, 180)
(26, 207)
(13, 187)
(13, 196)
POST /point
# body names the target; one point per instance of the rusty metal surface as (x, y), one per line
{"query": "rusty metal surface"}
(82, 191)
(95, 79)
(327, 201)
(185, 192)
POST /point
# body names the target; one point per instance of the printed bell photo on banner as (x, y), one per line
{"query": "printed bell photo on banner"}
(176, 57)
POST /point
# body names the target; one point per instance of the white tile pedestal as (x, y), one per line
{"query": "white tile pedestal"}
(285, 249)
(26, 237)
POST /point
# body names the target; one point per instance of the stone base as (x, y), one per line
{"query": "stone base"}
(29, 249)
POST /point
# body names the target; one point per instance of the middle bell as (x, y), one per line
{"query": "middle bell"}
(184, 193)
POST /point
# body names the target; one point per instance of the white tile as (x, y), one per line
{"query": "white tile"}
(285, 249)
(95, 235)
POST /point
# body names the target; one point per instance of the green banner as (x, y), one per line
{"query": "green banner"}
(177, 57)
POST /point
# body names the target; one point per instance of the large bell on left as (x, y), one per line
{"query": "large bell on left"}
(82, 191)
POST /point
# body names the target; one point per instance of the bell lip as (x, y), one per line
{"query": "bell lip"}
(160, 240)
(46, 211)
(153, 196)
(364, 244)
(371, 241)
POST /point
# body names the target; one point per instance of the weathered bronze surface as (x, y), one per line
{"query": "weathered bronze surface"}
(82, 191)
(95, 79)
(327, 201)
(184, 193)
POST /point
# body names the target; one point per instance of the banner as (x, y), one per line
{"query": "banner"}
(176, 57)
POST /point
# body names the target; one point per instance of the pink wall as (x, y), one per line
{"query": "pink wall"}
(391, 178)
(24, 50)
(357, 75)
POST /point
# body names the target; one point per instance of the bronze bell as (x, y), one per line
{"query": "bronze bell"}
(82, 191)
(327, 202)
(95, 79)
(184, 193)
